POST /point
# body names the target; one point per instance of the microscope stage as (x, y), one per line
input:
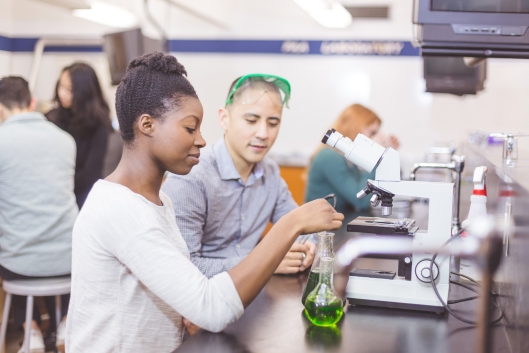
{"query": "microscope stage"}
(383, 226)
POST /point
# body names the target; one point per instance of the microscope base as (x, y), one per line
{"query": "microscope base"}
(397, 293)
(395, 305)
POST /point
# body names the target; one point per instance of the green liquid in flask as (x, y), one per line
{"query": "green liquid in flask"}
(324, 315)
(312, 282)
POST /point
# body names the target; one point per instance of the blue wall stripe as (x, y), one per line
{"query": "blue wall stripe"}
(288, 47)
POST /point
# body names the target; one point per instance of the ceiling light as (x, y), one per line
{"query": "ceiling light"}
(328, 13)
(108, 15)
(68, 4)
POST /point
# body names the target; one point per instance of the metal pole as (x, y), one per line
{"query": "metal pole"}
(29, 319)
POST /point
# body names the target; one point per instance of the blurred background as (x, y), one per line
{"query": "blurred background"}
(370, 61)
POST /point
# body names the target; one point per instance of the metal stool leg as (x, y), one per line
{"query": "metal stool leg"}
(5, 317)
(29, 318)
(57, 311)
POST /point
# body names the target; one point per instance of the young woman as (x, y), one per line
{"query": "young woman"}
(331, 173)
(83, 113)
(132, 280)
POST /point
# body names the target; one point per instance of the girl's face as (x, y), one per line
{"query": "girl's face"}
(65, 90)
(176, 138)
(371, 130)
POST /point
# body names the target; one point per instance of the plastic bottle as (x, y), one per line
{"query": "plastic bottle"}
(324, 249)
(478, 207)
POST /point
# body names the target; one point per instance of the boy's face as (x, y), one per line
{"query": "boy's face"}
(252, 128)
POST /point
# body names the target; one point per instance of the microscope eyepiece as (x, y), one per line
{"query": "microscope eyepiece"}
(327, 135)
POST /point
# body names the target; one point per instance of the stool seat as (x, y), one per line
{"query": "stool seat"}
(38, 287)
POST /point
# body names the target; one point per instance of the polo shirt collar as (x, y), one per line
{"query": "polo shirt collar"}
(24, 117)
(226, 166)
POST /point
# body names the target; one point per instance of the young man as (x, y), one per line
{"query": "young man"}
(37, 203)
(223, 206)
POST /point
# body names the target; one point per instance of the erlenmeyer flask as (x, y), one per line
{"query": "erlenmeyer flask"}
(325, 249)
(323, 306)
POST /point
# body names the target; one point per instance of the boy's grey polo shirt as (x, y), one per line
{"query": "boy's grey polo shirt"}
(221, 217)
(37, 203)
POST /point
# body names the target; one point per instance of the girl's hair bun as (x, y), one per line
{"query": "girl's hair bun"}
(158, 61)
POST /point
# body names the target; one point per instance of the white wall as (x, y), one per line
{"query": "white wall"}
(394, 87)
(5, 63)
(322, 85)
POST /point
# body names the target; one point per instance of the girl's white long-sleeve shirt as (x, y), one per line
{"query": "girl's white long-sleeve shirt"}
(132, 280)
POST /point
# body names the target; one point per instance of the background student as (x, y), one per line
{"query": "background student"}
(331, 173)
(225, 203)
(132, 280)
(83, 112)
(37, 203)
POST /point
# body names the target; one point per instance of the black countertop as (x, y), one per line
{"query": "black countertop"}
(274, 322)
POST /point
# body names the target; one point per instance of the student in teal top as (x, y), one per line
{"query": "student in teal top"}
(331, 173)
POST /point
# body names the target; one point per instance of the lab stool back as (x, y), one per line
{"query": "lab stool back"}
(54, 286)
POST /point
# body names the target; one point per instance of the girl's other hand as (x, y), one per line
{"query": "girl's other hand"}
(190, 327)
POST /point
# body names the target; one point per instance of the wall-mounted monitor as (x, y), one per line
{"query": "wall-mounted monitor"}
(473, 28)
(445, 74)
(122, 47)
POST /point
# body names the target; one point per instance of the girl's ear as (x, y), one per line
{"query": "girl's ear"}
(146, 125)
(224, 118)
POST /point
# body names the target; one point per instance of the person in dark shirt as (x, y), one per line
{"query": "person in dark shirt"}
(331, 173)
(83, 112)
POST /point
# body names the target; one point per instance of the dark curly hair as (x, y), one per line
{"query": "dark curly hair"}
(89, 109)
(154, 84)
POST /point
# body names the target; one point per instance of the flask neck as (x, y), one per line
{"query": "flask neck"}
(325, 244)
(326, 270)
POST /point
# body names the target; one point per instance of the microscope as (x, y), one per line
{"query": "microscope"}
(412, 288)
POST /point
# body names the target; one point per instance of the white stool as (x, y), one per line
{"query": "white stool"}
(33, 288)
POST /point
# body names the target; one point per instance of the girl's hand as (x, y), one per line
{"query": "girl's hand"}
(316, 216)
(190, 327)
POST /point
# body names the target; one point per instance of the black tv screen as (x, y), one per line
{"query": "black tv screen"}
(122, 47)
(497, 6)
(472, 28)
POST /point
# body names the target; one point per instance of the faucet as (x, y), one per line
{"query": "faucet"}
(457, 165)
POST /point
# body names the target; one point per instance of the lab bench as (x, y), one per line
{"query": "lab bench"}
(274, 321)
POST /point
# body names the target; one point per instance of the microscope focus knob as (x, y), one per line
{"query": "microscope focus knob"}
(425, 272)
(375, 200)
(422, 271)
(362, 193)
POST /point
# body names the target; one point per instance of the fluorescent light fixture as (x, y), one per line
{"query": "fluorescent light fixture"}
(108, 15)
(68, 4)
(328, 13)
